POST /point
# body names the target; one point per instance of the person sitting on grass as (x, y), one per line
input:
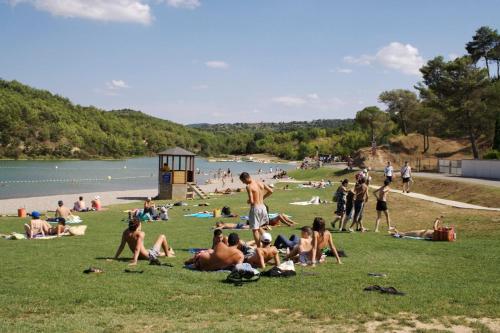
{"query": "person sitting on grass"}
(79, 206)
(223, 257)
(37, 226)
(149, 207)
(62, 211)
(265, 253)
(302, 252)
(133, 236)
(423, 233)
(96, 203)
(322, 239)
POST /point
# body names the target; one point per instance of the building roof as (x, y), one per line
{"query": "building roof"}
(176, 151)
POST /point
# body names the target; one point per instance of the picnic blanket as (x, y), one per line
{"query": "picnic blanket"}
(410, 237)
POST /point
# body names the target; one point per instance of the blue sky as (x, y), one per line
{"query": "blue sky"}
(213, 61)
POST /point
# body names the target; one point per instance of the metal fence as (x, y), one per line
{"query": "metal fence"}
(451, 167)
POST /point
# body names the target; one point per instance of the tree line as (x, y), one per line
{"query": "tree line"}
(455, 99)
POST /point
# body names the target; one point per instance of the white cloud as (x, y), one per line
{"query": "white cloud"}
(116, 85)
(200, 87)
(290, 101)
(217, 64)
(136, 11)
(313, 96)
(341, 70)
(404, 58)
(362, 60)
(187, 4)
(453, 56)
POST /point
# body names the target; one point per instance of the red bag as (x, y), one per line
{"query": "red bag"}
(444, 234)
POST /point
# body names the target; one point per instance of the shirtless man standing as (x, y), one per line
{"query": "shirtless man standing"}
(265, 253)
(257, 192)
(134, 237)
(381, 195)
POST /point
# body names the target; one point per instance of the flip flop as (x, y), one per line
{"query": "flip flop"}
(93, 270)
(392, 291)
(373, 288)
(132, 271)
(377, 274)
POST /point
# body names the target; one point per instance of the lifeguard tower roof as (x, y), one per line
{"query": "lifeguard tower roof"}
(177, 151)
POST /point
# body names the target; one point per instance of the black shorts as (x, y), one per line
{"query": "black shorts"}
(406, 180)
(381, 206)
(389, 178)
(358, 206)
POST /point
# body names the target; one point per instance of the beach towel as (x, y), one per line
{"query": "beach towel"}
(410, 237)
(313, 201)
(70, 220)
(271, 216)
(200, 215)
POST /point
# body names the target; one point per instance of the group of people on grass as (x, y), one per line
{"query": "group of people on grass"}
(313, 245)
(38, 227)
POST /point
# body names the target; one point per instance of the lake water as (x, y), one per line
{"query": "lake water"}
(40, 178)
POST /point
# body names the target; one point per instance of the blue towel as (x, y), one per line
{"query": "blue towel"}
(200, 215)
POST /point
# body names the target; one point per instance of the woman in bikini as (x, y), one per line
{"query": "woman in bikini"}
(321, 239)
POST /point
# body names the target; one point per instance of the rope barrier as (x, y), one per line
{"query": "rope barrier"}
(109, 178)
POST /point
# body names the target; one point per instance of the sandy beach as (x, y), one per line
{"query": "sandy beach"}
(44, 203)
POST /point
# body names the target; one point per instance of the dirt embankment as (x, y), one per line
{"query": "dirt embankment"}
(410, 148)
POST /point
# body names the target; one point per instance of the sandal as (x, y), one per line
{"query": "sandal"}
(93, 270)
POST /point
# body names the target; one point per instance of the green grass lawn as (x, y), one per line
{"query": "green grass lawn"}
(42, 287)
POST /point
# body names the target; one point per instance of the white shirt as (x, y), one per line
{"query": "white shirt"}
(406, 172)
(388, 171)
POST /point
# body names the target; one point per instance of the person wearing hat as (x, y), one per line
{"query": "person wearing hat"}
(265, 253)
(37, 226)
(149, 207)
(62, 211)
(96, 203)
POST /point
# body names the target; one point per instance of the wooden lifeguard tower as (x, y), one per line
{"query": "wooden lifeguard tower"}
(176, 176)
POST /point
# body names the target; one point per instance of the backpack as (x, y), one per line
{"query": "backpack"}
(277, 272)
(226, 211)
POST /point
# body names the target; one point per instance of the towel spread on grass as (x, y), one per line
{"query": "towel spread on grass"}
(313, 201)
(71, 231)
(271, 216)
(70, 220)
(200, 215)
(410, 237)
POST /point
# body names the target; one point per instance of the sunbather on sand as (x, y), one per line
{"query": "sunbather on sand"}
(423, 233)
(223, 256)
(302, 252)
(265, 253)
(322, 239)
(134, 237)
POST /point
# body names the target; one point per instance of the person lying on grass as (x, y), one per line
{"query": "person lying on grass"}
(234, 226)
(302, 252)
(217, 238)
(275, 222)
(223, 256)
(322, 239)
(423, 233)
(265, 253)
(134, 237)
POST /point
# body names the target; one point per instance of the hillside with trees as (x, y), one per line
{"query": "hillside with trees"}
(456, 99)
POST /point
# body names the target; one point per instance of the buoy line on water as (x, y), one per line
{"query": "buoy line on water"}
(108, 178)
